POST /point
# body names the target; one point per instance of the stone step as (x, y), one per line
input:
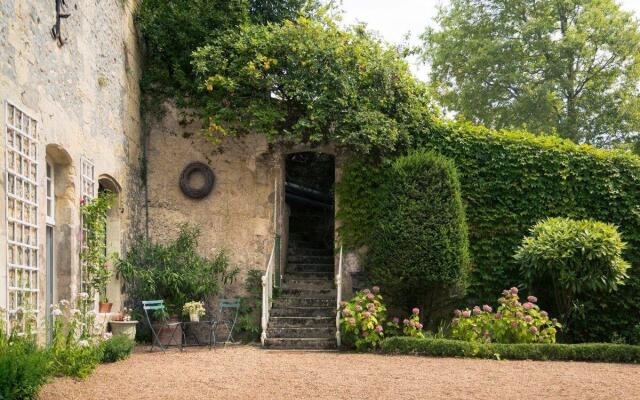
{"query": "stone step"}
(303, 312)
(300, 267)
(309, 293)
(298, 301)
(303, 275)
(300, 343)
(323, 332)
(305, 251)
(306, 283)
(310, 259)
(301, 322)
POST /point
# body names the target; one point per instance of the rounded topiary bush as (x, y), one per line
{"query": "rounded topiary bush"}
(578, 257)
(419, 251)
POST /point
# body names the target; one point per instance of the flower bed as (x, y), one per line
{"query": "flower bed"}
(603, 352)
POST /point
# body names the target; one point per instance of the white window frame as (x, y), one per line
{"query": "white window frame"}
(50, 195)
(21, 210)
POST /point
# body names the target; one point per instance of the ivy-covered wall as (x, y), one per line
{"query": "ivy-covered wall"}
(511, 180)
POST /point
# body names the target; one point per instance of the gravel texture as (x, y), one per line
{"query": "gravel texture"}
(246, 372)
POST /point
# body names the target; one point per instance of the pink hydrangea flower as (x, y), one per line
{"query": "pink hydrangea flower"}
(379, 329)
(375, 289)
(519, 315)
(528, 318)
(514, 290)
(371, 296)
(366, 291)
(352, 321)
(358, 308)
(532, 299)
(544, 313)
(466, 313)
(406, 321)
(457, 313)
(487, 308)
(346, 313)
(527, 306)
(533, 330)
(371, 307)
(419, 325)
(366, 314)
(415, 311)
(477, 310)
(514, 324)
(498, 315)
(396, 320)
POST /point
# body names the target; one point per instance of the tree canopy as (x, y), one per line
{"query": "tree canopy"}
(308, 80)
(570, 67)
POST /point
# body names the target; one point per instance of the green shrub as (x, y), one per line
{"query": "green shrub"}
(513, 322)
(24, 369)
(418, 251)
(117, 348)
(580, 258)
(597, 352)
(362, 319)
(77, 360)
(173, 272)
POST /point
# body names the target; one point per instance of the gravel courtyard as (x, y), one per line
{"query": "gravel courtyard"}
(245, 372)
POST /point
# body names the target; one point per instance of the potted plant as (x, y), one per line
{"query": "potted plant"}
(195, 309)
(123, 324)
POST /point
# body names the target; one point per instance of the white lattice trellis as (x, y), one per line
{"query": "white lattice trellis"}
(22, 216)
(88, 187)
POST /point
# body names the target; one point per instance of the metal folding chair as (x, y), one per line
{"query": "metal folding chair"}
(228, 307)
(158, 305)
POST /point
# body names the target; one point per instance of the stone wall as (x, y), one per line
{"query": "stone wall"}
(85, 97)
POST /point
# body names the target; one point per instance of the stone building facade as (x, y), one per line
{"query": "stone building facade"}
(70, 121)
(71, 125)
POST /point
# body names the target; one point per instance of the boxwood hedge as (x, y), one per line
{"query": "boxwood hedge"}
(603, 352)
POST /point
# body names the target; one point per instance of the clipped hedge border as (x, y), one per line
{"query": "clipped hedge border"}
(597, 352)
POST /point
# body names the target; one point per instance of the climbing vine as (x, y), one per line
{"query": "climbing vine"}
(94, 250)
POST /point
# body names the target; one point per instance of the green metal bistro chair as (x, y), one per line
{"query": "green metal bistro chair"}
(228, 316)
(155, 306)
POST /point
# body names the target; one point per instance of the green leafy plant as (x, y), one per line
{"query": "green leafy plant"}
(418, 247)
(77, 342)
(595, 352)
(24, 368)
(412, 326)
(362, 319)
(513, 322)
(173, 271)
(249, 313)
(117, 348)
(580, 257)
(94, 250)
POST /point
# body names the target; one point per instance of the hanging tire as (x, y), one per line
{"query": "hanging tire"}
(203, 191)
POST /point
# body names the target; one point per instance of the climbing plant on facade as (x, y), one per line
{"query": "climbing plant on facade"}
(94, 250)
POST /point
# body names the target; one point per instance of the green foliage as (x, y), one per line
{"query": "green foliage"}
(596, 352)
(77, 360)
(413, 224)
(569, 67)
(582, 258)
(24, 368)
(512, 323)
(362, 319)
(94, 251)
(250, 310)
(310, 81)
(509, 181)
(173, 271)
(117, 348)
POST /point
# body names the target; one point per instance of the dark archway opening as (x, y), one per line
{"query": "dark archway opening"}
(309, 190)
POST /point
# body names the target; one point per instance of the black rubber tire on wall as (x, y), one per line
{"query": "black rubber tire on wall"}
(207, 173)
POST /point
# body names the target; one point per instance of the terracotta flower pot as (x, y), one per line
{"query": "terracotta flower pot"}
(105, 307)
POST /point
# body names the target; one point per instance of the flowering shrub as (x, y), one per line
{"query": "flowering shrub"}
(194, 307)
(77, 344)
(412, 325)
(513, 322)
(362, 318)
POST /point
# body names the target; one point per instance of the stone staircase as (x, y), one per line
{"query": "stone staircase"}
(304, 315)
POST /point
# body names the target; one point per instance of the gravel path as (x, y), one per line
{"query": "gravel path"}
(244, 372)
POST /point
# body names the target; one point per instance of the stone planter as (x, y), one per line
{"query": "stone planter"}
(124, 327)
